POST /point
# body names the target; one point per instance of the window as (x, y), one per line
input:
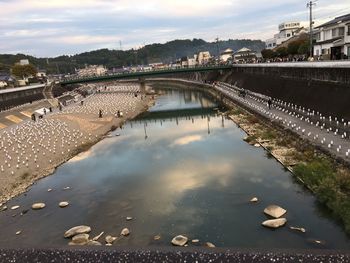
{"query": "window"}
(318, 36)
(334, 32)
(341, 31)
(288, 35)
(349, 30)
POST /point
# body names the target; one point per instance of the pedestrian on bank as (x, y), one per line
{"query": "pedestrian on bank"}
(44, 111)
(100, 114)
(269, 103)
(50, 109)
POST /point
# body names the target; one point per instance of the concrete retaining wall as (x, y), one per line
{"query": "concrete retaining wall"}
(326, 90)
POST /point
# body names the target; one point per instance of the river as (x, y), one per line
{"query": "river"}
(180, 168)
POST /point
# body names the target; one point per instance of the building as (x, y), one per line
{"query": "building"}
(203, 57)
(244, 55)
(287, 30)
(184, 62)
(226, 55)
(24, 62)
(192, 62)
(333, 39)
(6, 81)
(92, 70)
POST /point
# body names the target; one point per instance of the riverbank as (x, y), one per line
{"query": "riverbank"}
(326, 176)
(32, 151)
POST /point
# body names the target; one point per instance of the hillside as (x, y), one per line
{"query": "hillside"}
(116, 58)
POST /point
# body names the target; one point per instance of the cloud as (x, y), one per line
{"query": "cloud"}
(187, 140)
(70, 26)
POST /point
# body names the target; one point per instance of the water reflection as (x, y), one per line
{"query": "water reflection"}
(187, 173)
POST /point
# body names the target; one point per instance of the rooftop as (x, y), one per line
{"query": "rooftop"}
(336, 20)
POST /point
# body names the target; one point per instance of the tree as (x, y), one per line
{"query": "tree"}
(23, 71)
(268, 53)
(282, 52)
(304, 48)
(293, 47)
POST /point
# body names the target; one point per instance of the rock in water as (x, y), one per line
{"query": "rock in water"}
(195, 241)
(98, 236)
(208, 244)
(301, 229)
(81, 239)
(18, 232)
(63, 204)
(77, 230)
(125, 232)
(275, 211)
(179, 240)
(157, 237)
(109, 239)
(275, 223)
(93, 243)
(38, 206)
(3, 208)
(128, 218)
(14, 207)
(254, 200)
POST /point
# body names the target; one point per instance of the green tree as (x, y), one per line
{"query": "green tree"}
(282, 52)
(304, 48)
(268, 53)
(293, 47)
(23, 71)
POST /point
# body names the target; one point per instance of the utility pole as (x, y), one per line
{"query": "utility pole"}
(217, 46)
(310, 5)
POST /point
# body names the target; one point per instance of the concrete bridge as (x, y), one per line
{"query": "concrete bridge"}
(143, 74)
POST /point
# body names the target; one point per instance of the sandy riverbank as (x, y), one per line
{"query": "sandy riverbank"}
(30, 151)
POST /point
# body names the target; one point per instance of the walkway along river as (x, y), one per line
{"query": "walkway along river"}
(181, 168)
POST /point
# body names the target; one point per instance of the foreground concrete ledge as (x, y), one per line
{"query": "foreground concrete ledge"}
(168, 254)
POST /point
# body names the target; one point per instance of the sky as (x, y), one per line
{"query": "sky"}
(48, 28)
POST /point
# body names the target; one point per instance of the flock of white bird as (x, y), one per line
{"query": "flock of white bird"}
(114, 98)
(332, 133)
(26, 145)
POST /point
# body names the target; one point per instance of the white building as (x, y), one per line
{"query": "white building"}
(192, 62)
(244, 55)
(203, 57)
(92, 70)
(286, 31)
(23, 62)
(226, 55)
(333, 39)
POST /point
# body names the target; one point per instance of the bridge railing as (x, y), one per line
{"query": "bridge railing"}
(145, 73)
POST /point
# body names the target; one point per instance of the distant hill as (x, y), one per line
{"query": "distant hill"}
(117, 58)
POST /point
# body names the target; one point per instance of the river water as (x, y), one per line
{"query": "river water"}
(180, 168)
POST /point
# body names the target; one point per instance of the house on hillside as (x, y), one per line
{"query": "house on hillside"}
(23, 62)
(92, 70)
(287, 30)
(6, 81)
(226, 55)
(203, 57)
(333, 39)
(244, 55)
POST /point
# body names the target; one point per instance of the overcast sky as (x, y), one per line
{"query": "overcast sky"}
(56, 27)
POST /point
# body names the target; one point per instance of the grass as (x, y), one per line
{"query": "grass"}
(331, 186)
(236, 111)
(329, 181)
